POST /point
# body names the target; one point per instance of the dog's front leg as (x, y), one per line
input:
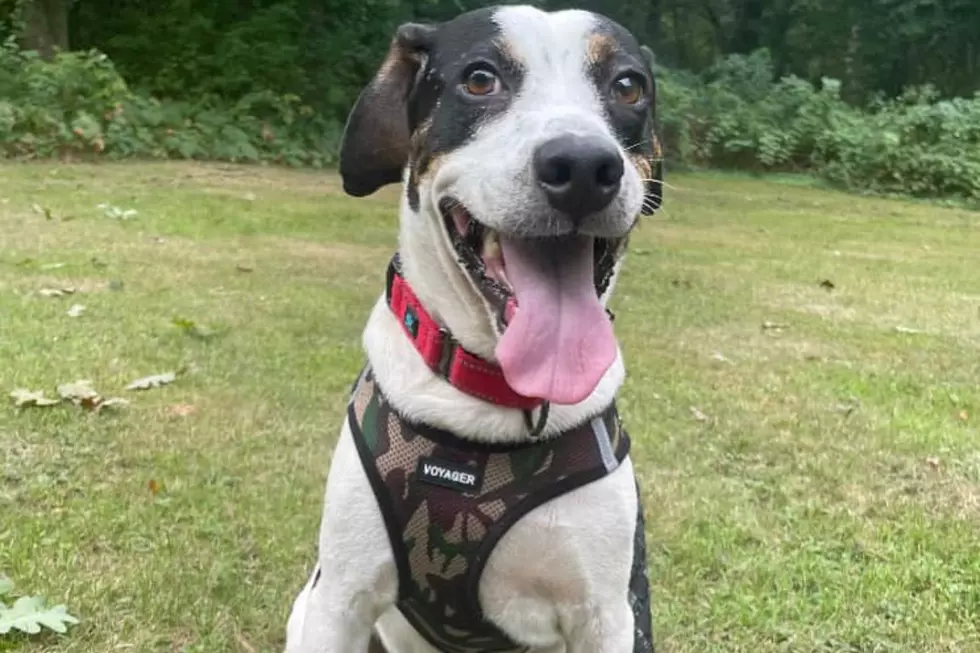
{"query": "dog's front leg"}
(322, 623)
(355, 578)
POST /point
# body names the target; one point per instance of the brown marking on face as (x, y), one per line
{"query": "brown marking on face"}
(642, 165)
(399, 56)
(658, 152)
(600, 48)
(508, 52)
(422, 162)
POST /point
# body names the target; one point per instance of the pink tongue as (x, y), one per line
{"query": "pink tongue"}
(559, 342)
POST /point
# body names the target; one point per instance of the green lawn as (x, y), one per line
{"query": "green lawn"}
(814, 487)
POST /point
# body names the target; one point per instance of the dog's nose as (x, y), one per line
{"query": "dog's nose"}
(580, 175)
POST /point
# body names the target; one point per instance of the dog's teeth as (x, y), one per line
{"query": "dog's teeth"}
(491, 246)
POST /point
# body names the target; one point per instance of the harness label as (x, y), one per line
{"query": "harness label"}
(448, 474)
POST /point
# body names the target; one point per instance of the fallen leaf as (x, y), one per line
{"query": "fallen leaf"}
(24, 397)
(78, 391)
(908, 330)
(56, 292)
(846, 409)
(193, 329)
(28, 614)
(98, 404)
(150, 382)
(153, 486)
(182, 410)
(117, 213)
(42, 210)
(827, 284)
(698, 415)
(76, 310)
(964, 416)
(773, 326)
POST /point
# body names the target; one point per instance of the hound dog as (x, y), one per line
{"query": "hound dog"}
(481, 496)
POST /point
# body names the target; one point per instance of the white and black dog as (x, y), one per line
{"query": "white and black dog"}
(481, 497)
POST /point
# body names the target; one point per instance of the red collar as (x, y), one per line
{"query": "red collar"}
(464, 370)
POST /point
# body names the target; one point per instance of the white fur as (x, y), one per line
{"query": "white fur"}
(556, 98)
(558, 578)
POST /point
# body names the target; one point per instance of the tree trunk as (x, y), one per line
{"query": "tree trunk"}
(748, 26)
(45, 26)
(653, 23)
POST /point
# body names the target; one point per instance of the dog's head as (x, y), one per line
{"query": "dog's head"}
(526, 145)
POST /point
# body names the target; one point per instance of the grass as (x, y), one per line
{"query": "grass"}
(810, 488)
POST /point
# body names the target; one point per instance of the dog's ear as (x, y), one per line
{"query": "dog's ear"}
(654, 188)
(375, 145)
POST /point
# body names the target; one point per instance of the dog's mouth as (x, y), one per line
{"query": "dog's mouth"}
(543, 295)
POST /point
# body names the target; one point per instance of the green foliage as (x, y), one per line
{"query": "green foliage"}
(77, 105)
(735, 115)
(28, 614)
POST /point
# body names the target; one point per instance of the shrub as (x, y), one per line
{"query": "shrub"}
(77, 105)
(736, 115)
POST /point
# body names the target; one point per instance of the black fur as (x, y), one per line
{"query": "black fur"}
(633, 124)
(429, 100)
(415, 108)
(376, 139)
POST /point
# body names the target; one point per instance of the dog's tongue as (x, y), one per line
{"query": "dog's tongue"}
(559, 342)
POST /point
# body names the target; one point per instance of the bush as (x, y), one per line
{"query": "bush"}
(77, 105)
(736, 115)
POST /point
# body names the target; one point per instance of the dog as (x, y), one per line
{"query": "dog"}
(481, 496)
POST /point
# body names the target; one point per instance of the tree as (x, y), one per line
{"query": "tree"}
(44, 25)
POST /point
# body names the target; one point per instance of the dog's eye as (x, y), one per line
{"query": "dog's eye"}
(628, 89)
(481, 81)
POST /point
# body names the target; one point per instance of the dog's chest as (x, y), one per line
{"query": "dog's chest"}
(446, 504)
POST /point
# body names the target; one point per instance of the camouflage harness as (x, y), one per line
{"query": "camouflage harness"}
(447, 502)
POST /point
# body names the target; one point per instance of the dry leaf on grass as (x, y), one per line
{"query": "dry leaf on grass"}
(908, 330)
(77, 391)
(111, 402)
(698, 415)
(42, 210)
(56, 292)
(24, 398)
(182, 410)
(81, 393)
(76, 310)
(773, 326)
(154, 381)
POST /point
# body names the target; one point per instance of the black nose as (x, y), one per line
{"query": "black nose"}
(580, 175)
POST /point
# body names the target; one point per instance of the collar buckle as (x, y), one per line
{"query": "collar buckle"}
(446, 353)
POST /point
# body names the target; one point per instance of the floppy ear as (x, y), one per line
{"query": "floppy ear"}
(654, 188)
(374, 147)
